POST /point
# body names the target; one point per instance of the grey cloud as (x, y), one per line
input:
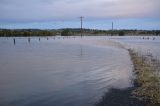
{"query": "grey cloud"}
(46, 10)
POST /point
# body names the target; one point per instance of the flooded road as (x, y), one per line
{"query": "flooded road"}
(60, 71)
(145, 45)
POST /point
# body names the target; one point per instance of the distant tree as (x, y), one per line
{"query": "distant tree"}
(121, 33)
(157, 32)
(96, 32)
(26, 33)
(65, 32)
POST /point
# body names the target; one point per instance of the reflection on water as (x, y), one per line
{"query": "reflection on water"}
(29, 40)
(57, 72)
(81, 52)
(14, 41)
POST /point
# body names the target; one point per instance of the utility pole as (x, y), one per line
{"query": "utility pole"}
(81, 25)
(112, 29)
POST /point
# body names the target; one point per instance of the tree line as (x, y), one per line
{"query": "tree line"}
(73, 31)
(26, 32)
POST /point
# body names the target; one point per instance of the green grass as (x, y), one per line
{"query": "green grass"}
(148, 82)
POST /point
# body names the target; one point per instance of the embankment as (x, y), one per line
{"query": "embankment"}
(146, 90)
(147, 79)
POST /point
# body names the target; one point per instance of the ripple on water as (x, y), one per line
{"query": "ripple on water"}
(57, 72)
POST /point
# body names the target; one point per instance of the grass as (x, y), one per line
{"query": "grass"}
(147, 80)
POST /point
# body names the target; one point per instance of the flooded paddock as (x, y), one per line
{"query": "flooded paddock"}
(66, 71)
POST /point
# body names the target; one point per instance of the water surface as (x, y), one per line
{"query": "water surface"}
(60, 72)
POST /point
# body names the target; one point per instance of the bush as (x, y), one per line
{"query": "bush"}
(121, 33)
(65, 32)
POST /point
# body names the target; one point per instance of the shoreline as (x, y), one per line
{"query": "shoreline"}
(78, 35)
(146, 89)
(147, 80)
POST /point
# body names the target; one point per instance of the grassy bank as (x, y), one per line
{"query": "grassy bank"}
(148, 82)
(146, 90)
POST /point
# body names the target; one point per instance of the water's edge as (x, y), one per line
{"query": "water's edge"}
(121, 97)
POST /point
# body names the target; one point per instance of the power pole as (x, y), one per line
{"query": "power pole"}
(81, 25)
(112, 29)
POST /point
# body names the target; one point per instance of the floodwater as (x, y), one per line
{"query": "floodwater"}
(144, 45)
(58, 71)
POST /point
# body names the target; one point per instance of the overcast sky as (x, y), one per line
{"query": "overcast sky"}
(48, 14)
